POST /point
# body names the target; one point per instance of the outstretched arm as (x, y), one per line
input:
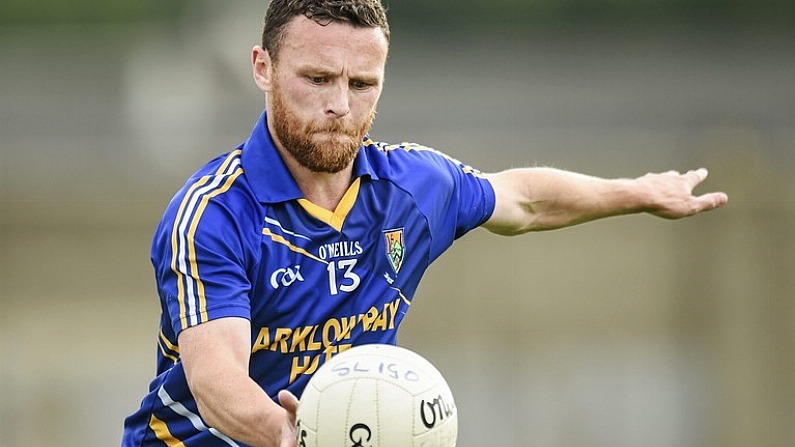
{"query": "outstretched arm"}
(534, 199)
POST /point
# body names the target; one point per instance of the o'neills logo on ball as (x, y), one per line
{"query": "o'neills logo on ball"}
(435, 411)
(395, 249)
(360, 435)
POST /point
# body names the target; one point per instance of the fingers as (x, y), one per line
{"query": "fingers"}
(676, 194)
(708, 201)
(694, 177)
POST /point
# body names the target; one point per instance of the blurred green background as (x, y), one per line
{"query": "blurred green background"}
(631, 331)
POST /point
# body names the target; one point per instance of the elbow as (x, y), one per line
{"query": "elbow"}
(503, 231)
(515, 227)
(531, 223)
(202, 393)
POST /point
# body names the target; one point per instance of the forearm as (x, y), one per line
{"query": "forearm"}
(534, 199)
(239, 408)
(215, 356)
(558, 198)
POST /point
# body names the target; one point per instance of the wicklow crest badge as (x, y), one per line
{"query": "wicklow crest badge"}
(395, 249)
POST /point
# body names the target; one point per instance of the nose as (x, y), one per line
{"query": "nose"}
(337, 103)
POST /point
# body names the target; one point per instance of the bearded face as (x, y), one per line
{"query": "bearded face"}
(322, 91)
(327, 147)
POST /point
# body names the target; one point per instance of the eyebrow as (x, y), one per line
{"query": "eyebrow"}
(314, 70)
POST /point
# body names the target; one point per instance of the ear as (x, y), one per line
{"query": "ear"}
(263, 68)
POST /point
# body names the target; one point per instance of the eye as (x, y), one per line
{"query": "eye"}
(317, 80)
(359, 85)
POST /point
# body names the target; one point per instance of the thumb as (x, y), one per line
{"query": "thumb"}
(289, 402)
(712, 200)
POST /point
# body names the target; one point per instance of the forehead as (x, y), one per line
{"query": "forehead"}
(333, 45)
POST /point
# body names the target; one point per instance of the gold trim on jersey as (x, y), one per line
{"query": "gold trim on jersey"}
(169, 350)
(403, 297)
(336, 218)
(408, 147)
(192, 302)
(163, 433)
(281, 240)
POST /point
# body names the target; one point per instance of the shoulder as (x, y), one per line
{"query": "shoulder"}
(389, 159)
(221, 179)
(214, 195)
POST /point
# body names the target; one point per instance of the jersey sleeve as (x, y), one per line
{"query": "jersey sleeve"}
(454, 197)
(200, 255)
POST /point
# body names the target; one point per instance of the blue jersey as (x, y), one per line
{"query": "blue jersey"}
(239, 240)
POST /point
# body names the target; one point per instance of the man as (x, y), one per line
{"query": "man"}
(311, 238)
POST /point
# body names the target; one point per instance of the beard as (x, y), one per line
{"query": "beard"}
(327, 148)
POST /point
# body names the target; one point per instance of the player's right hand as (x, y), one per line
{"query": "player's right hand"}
(289, 402)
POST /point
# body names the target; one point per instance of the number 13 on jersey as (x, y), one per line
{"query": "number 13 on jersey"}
(341, 277)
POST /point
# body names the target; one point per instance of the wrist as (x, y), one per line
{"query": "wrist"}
(637, 196)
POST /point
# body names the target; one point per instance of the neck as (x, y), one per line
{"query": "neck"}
(321, 188)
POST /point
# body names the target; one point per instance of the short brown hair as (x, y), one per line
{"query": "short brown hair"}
(361, 13)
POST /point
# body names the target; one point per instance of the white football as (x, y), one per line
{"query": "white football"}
(377, 396)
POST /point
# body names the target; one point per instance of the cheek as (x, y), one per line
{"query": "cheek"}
(367, 101)
(298, 95)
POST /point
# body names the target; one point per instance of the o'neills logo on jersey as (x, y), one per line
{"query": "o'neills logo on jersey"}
(395, 249)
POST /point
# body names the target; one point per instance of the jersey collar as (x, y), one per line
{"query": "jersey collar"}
(268, 175)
